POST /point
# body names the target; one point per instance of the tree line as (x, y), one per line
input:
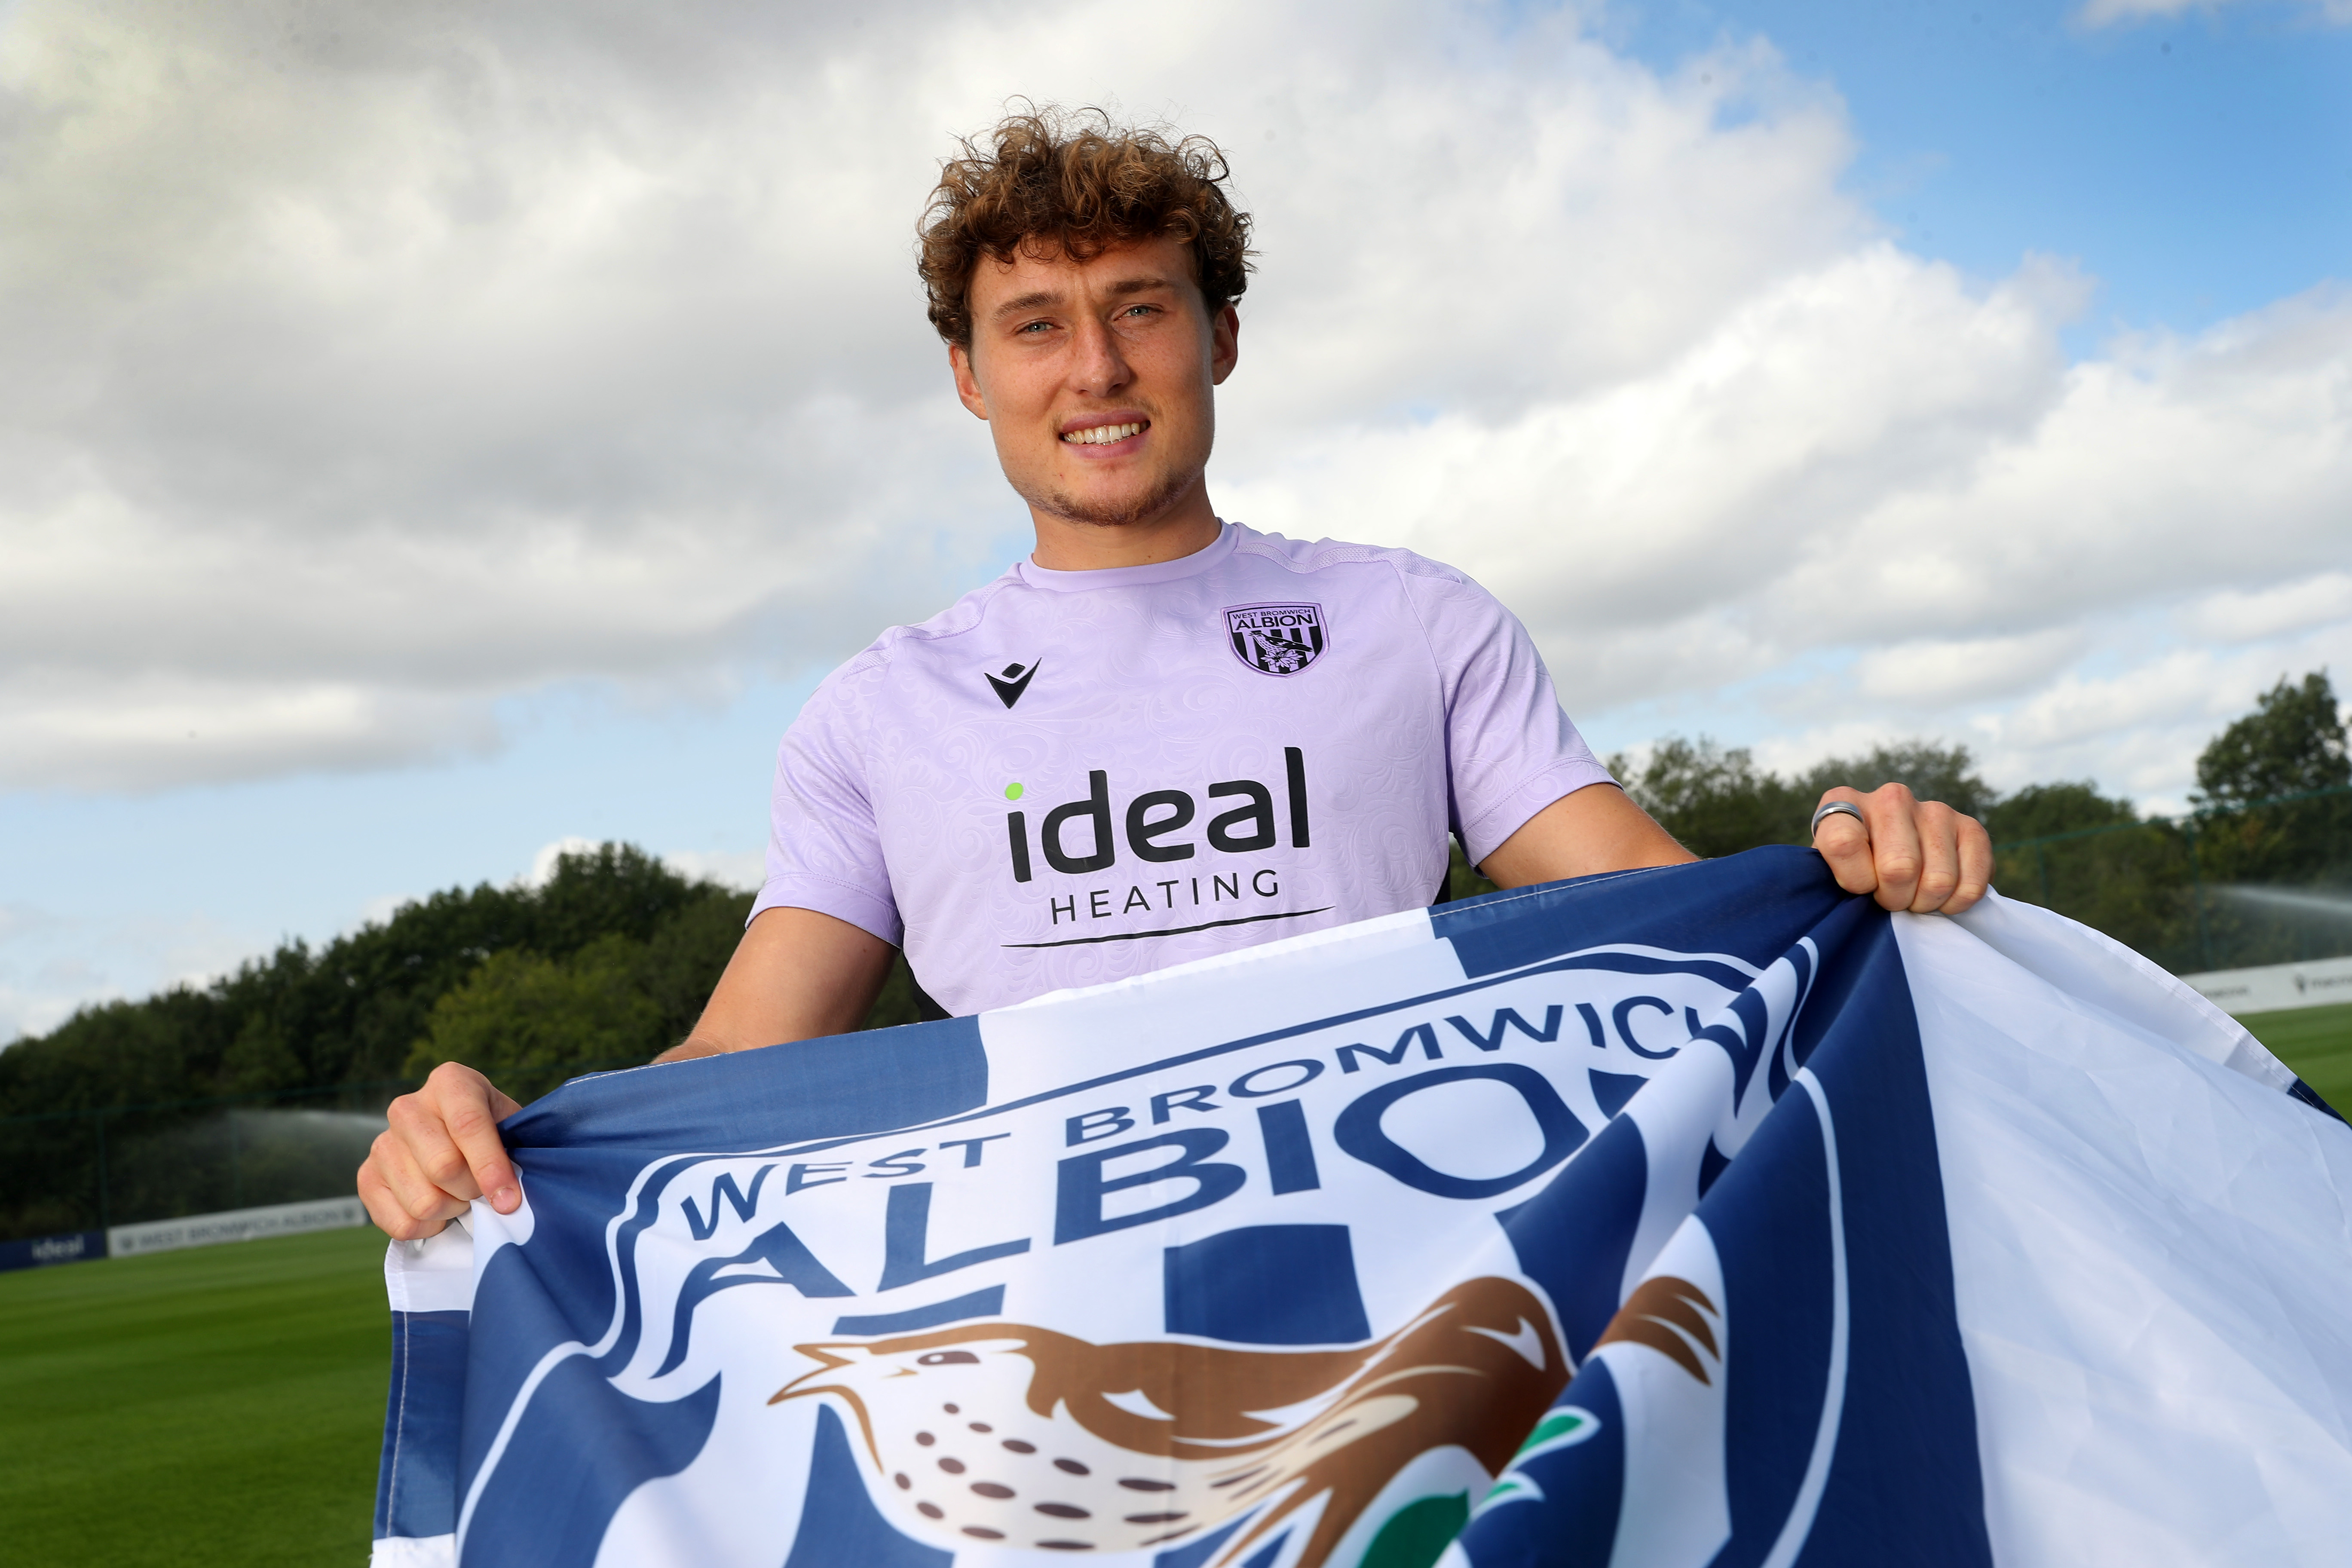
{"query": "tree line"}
(606, 963)
(610, 959)
(2271, 815)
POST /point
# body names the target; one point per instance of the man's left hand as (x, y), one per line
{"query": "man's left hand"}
(1910, 854)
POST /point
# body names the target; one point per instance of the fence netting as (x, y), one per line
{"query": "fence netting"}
(76, 1171)
(2267, 883)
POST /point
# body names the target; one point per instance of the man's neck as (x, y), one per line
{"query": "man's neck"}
(1185, 529)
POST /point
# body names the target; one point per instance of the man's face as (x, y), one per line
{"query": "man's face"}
(1096, 378)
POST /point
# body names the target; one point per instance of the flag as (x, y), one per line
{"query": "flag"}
(1696, 1216)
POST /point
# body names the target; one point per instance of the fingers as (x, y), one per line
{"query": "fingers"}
(1894, 851)
(1937, 826)
(402, 1202)
(1975, 865)
(1846, 843)
(1916, 855)
(470, 1110)
(439, 1151)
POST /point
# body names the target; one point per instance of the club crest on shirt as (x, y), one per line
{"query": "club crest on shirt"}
(1276, 639)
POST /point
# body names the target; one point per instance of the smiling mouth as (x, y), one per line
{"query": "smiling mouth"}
(1103, 435)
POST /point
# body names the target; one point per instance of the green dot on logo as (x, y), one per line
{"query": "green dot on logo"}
(1012, 792)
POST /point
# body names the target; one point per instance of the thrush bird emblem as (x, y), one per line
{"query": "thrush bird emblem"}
(1006, 1432)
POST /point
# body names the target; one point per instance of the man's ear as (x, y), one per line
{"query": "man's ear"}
(966, 384)
(1224, 344)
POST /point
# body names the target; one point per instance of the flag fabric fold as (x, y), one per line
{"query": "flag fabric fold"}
(1700, 1216)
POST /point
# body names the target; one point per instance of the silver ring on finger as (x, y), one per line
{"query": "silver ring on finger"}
(1838, 808)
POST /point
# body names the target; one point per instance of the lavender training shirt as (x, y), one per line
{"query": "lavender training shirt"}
(1070, 777)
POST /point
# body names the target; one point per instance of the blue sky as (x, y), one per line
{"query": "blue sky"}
(2195, 167)
(2198, 165)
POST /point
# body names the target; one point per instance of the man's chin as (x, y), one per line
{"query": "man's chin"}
(1114, 510)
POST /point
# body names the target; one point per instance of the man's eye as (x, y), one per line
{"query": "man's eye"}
(1140, 310)
(1034, 327)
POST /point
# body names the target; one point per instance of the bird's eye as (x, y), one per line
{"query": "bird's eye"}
(948, 1358)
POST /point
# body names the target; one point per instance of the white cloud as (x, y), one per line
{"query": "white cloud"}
(367, 369)
(2109, 13)
(374, 366)
(2234, 616)
(1630, 522)
(1876, 460)
(1950, 671)
(740, 868)
(2140, 728)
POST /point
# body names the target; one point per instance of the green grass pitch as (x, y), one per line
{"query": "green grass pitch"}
(220, 1406)
(2316, 1042)
(224, 1405)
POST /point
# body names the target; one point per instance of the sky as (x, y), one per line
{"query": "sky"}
(435, 434)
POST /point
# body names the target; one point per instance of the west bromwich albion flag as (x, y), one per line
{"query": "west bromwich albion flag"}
(1701, 1216)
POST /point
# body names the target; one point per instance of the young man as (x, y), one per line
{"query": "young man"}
(1163, 736)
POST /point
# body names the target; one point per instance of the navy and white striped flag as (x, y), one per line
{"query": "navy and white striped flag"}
(1702, 1216)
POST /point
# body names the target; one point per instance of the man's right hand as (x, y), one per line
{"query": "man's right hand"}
(795, 975)
(439, 1152)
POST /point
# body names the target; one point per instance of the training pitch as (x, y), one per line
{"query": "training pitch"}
(224, 1405)
(2316, 1042)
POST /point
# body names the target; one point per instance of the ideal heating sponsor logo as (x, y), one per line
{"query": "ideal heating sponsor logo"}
(1082, 838)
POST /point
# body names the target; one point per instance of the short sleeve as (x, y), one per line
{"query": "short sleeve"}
(1510, 751)
(824, 847)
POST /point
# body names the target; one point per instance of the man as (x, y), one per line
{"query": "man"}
(1162, 736)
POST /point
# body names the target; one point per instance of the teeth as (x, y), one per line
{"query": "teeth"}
(1100, 433)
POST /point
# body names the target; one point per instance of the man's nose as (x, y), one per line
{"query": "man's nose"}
(1097, 367)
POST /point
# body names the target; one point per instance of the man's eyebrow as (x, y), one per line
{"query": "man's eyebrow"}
(1039, 298)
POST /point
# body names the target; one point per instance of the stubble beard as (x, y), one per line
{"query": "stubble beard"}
(1055, 502)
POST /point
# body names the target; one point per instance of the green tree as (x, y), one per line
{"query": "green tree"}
(614, 889)
(1715, 800)
(610, 959)
(686, 954)
(2069, 847)
(1929, 770)
(2255, 849)
(261, 1060)
(529, 1022)
(2292, 743)
(351, 1011)
(895, 1005)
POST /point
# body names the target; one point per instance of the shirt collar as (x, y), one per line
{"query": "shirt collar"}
(1210, 555)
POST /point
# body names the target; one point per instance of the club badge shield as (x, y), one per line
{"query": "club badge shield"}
(1277, 639)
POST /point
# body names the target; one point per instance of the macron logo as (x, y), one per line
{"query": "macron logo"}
(1010, 685)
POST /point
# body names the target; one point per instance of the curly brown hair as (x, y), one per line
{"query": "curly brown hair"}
(1075, 184)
